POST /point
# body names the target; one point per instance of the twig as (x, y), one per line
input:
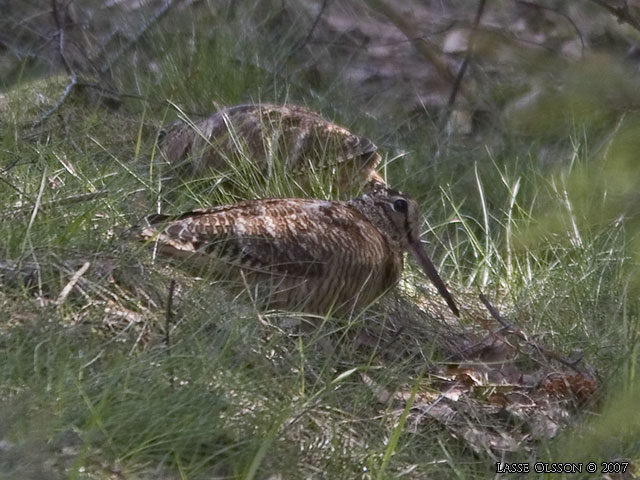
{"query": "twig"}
(302, 44)
(67, 131)
(82, 197)
(67, 66)
(111, 93)
(622, 13)
(114, 93)
(520, 334)
(457, 82)
(37, 204)
(426, 49)
(67, 91)
(167, 327)
(27, 237)
(14, 163)
(21, 274)
(161, 12)
(467, 57)
(64, 293)
(61, 35)
(20, 192)
(537, 6)
(117, 95)
(494, 313)
(474, 346)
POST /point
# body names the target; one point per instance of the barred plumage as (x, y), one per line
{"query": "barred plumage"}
(293, 135)
(302, 254)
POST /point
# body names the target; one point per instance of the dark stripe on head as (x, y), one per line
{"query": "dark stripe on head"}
(376, 188)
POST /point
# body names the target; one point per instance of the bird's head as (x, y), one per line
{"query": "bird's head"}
(397, 217)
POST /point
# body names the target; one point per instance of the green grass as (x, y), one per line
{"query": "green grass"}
(89, 388)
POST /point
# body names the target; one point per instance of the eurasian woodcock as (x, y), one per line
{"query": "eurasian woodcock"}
(272, 135)
(303, 255)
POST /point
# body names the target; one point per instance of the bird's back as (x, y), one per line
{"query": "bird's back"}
(271, 136)
(306, 254)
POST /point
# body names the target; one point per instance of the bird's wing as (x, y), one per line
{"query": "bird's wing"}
(329, 144)
(293, 237)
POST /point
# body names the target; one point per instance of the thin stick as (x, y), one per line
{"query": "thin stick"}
(468, 55)
(71, 199)
(520, 334)
(67, 66)
(302, 44)
(61, 34)
(622, 13)
(64, 293)
(537, 6)
(494, 313)
(167, 327)
(36, 205)
(161, 12)
(67, 91)
(426, 49)
(20, 192)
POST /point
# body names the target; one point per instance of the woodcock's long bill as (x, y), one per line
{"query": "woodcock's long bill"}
(304, 255)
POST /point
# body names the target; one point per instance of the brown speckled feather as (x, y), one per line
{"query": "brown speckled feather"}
(311, 255)
(299, 138)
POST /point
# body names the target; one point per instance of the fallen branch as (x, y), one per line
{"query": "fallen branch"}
(64, 293)
(155, 18)
(67, 91)
(509, 328)
(67, 66)
(61, 37)
(622, 13)
(426, 49)
(468, 55)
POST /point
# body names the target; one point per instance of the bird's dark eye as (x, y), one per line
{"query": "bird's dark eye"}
(400, 205)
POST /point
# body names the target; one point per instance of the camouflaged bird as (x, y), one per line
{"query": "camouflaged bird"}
(303, 255)
(271, 135)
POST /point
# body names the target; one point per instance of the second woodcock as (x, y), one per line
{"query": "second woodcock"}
(269, 135)
(303, 255)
